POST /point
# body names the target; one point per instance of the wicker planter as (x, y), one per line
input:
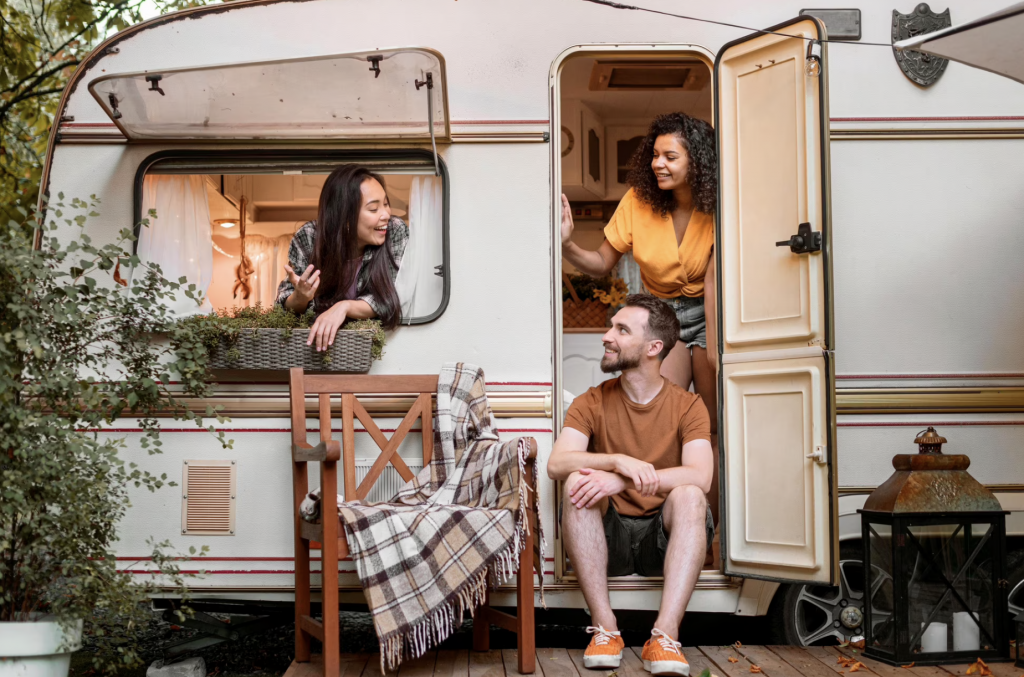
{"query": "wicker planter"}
(280, 349)
(587, 313)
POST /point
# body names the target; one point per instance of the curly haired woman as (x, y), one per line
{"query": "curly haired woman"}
(667, 221)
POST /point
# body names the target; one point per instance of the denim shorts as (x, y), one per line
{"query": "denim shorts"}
(692, 324)
(637, 545)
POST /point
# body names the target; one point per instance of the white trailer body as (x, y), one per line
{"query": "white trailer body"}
(926, 283)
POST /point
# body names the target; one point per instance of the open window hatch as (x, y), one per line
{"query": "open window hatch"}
(385, 94)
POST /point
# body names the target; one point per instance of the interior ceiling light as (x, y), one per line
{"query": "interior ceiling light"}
(226, 223)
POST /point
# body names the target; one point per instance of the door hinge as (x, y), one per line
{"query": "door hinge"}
(804, 242)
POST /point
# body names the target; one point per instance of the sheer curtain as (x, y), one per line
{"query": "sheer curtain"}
(179, 238)
(425, 218)
(268, 256)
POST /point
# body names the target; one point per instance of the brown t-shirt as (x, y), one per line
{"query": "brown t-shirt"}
(654, 432)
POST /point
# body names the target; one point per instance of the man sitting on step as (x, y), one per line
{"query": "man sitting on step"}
(635, 457)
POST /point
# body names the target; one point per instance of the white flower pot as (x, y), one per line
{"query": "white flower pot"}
(37, 648)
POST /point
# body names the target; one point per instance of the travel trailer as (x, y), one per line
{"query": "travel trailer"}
(480, 115)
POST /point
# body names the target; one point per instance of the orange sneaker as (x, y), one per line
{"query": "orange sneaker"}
(604, 650)
(662, 655)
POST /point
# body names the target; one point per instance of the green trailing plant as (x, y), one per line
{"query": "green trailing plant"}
(79, 351)
(220, 329)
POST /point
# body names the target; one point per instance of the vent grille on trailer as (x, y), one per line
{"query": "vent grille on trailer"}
(389, 482)
(208, 498)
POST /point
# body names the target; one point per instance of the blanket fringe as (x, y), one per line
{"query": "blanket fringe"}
(439, 625)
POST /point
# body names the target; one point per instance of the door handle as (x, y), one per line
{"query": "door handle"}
(804, 242)
(818, 455)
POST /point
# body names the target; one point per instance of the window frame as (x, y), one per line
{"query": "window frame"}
(372, 158)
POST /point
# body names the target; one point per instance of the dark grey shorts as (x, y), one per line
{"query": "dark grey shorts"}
(692, 324)
(637, 545)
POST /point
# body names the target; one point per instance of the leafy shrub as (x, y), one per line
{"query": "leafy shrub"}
(608, 290)
(78, 351)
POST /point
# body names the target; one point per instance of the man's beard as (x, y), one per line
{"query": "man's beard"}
(620, 362)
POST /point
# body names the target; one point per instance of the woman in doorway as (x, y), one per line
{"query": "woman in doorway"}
(345, 262)
(667, 220)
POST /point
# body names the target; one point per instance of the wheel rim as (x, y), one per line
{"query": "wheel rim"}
(823, 612)
(1016, 604)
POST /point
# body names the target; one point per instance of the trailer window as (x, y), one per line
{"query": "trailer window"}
(202, 203)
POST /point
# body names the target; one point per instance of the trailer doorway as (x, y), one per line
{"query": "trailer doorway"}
(603, 101)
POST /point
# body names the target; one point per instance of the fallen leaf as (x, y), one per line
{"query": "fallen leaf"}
(857, 666)
(737, 644)
(845, 661)
(613, 674)
(755, 669)
(733, 660)
(706, 672)
(909, 665)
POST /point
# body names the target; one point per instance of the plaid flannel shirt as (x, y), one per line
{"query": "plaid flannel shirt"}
(300, 254)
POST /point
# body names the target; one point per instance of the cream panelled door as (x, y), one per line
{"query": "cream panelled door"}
(773, 238)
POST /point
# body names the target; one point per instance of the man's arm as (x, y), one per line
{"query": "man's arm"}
(697, 469)
(567, 458)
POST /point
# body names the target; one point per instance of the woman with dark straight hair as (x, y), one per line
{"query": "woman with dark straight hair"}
(345, 262)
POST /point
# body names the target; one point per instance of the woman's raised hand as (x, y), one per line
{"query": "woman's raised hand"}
(305, 285)
(327, 325)
(567, 225)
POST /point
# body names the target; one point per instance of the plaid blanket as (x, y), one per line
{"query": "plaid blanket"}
(427, 556)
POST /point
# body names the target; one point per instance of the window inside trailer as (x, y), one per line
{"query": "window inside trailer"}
(202, 208)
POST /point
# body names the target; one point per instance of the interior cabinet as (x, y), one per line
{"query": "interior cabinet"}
(622, 142)
(583, 152)
(593, 152)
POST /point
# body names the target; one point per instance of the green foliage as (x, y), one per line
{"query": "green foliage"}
(41, 45)
(222, 328)
(78, 352)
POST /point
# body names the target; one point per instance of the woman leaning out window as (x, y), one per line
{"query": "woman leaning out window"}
(345, 262)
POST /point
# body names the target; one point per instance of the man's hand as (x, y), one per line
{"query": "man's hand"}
(595, 485)
(643, 474)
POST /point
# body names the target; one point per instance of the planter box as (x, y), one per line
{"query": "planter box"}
(281, 349)
(37, 648)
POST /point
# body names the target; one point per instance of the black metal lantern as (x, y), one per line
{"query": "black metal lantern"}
(1019, 622)
(934, 563)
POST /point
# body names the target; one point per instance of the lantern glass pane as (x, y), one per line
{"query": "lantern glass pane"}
(949, 575)
(880, 591)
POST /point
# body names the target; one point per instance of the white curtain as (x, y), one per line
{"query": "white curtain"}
(179, 238)
(424, 220)
(268, 256)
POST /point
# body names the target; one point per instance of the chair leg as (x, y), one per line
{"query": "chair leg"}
(526, 642)
(482, 627)
(332, 633)
(302, 605)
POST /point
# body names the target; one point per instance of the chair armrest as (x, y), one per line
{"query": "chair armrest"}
(324, 451)
(531, 453)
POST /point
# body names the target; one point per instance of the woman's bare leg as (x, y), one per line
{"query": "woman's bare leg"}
(676, 367)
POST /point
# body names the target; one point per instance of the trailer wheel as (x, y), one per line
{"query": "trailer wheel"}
(807, 615)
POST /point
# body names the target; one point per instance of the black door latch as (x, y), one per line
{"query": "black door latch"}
(804, 242)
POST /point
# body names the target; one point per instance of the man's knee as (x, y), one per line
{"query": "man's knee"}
(687, 502)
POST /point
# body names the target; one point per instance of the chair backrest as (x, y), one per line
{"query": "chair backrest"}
(347, 386)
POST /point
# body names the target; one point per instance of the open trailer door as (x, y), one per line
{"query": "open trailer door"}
(777, 430)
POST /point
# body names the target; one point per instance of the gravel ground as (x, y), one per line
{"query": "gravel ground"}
(270, 652)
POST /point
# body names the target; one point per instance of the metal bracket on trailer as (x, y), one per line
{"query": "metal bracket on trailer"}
(429, 82)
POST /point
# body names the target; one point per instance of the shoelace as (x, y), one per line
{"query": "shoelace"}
(666, 642)
(603, 636)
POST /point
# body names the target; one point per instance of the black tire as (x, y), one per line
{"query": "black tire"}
(789, 612)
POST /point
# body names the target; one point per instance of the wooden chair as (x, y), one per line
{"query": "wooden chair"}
(330, 534)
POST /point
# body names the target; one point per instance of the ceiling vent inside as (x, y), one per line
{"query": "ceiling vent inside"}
(648, 75)
(208, 498)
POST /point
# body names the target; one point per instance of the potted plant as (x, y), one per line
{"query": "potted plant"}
(78, 350)
(586, 300)
(273, 338)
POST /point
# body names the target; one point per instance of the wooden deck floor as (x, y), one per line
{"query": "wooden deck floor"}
(773, 661)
